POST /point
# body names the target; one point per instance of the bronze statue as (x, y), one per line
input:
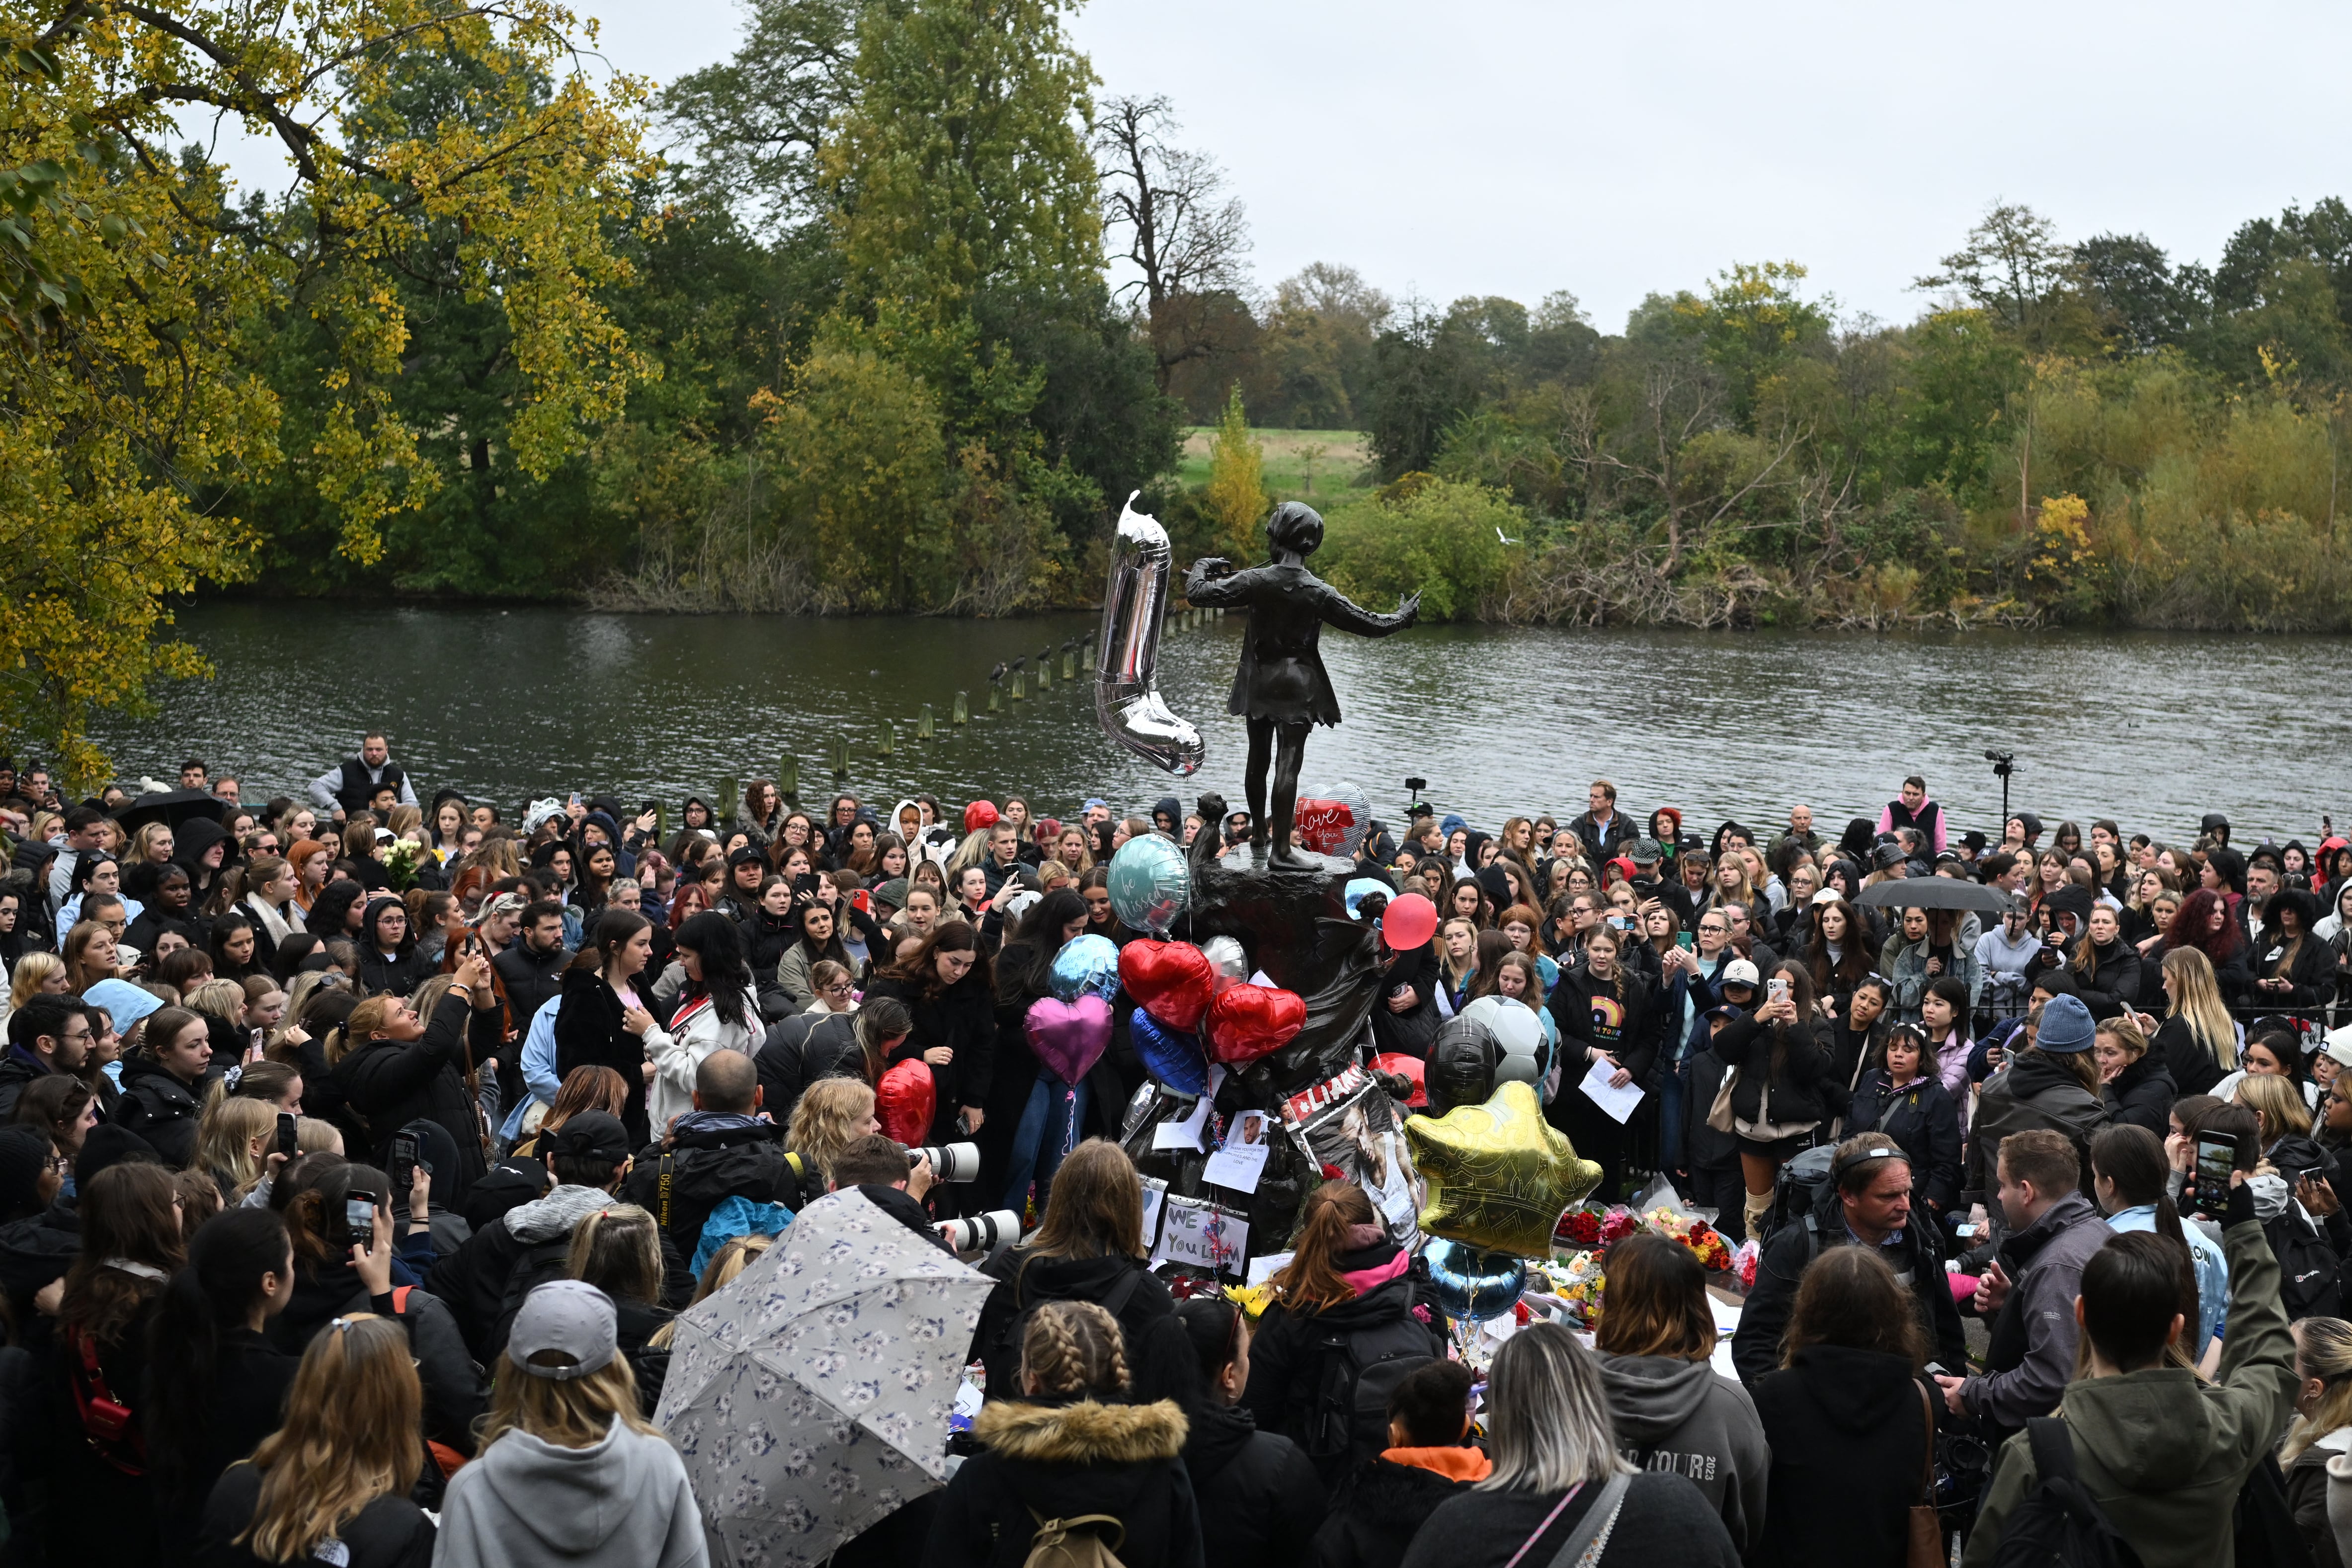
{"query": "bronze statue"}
(1281, 688)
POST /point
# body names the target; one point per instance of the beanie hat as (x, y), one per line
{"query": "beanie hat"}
(108, 1145)
(2066, 1028)
(24, 1154)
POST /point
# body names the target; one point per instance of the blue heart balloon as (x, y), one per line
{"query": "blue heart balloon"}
(1169, 1055)
(1086, 966)
(1471, 1283)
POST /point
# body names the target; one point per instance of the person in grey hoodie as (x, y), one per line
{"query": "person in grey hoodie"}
(569, 1474)
(1673, 1412)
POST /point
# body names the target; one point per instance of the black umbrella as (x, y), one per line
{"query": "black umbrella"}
(169, 807)
(1935, 893)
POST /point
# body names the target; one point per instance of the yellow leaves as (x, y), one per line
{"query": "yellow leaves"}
(2062, 538)
(1236, 495)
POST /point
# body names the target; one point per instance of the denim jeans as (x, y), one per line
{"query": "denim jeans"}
(1047, 1131)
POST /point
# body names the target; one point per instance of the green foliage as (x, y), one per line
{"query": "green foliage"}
(1235, 493)
(1432, 536)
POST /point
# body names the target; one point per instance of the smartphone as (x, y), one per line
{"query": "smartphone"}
(359, 1217)
(1777, 988)
(806, 882)
(286, 1134)
(1685, 941)
(2215, 1158)
(403, 1163)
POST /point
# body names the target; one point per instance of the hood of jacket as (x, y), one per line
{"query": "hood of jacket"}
(2033, 1076)
(191, 839)
(1088, 1279)
(1654, 1396)
(1083, 1432)
(1856, 1391)
(170, 1090)
(1369, 1267)
(2151, 1429)
(1371, 1307)
(557, 1213)
(1219, 1433)
(574, 1499)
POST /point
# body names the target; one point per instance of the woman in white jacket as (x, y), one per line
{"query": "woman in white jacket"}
(718, 1010)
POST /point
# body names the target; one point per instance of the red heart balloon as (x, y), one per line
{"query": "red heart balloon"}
(1173, 980)
(1247, 1021)
(905, 1102)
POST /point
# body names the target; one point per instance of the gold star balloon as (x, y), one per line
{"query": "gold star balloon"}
(1499, 1175)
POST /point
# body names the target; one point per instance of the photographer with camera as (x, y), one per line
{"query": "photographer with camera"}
(892, 1179)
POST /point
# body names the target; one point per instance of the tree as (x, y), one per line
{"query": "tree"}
(758, 121)
(1166, 208)
(129, 405)
(2144, 302)
(1235, 493)
(2015, 270)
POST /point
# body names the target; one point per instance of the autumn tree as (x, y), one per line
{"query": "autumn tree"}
(127, 404)
(1235, 496)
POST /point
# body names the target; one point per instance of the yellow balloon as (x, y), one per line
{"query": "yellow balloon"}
(1499, 1175)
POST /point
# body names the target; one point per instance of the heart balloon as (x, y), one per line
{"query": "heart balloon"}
(1473, 1284)
(1409, 921)
(1069, 1037)
(906, 1100)
(1174, 979)
(1336, 822)
(1149, 883)
(1086, 966)
(1170, 1055)
(1247, 1021)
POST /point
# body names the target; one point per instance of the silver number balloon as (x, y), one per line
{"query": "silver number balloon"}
(1135, 604)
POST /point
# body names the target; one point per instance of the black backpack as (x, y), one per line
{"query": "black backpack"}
(2264, 1526)
(2308, 1268)
(1798, 1185)
(2058, 1524)
(1346, 1423)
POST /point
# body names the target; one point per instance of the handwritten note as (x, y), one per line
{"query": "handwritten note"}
(1617, 1102)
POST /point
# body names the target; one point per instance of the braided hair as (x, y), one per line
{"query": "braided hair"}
(1073, 1349)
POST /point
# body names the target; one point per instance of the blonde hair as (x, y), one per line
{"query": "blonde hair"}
(1549, 1427)
(314, 1136)
(354, 1419)
(2197, 998)
(571, 1413)
(2279, 1104)
(222, 999)
(225, 1135)
(2322, 1349)
(725, 1264)
(2125, 1033)
(1073, 1348)
(830, 1115)
(33, 969)
(297, 996)
(618, 1251)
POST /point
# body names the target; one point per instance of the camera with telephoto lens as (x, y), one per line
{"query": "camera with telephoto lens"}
(949, 1162)
(980, 1232)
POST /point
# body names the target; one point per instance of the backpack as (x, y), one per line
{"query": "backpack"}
(2264, 1526)
(2308, 1267)
(1059, 1543)
(1360, 1369)
(1798, 1187)
(2058, 1524)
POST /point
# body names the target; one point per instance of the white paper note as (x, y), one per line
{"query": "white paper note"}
(1617, 1102)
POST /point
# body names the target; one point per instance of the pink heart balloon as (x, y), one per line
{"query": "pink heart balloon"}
(1069, 1037)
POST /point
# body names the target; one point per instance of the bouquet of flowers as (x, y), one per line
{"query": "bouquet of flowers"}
(400, 858)
(1586, 1228)
(1577, 1282)
(1692, 1232)
(1743, 1263)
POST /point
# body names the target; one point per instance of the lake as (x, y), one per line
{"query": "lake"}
(2151, 729)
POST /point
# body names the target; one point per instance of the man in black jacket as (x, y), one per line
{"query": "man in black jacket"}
(532, 969)
(1602, 828)
(47, 1034)
(723, 1148)
(1866, 1203)
(879, 1169)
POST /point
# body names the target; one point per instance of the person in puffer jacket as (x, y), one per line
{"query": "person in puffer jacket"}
(722, 1149)
(1068, 1445)
(1346, 1278)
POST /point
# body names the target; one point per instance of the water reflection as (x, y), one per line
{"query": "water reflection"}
(2153, 730)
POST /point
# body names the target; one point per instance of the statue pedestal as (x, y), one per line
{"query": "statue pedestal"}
(1294, 924)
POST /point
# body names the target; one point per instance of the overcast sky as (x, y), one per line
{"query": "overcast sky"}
(1484, 146)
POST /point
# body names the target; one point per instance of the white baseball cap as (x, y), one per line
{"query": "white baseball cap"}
(1741, 972)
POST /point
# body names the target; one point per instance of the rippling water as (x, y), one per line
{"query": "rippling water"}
(2153, 730)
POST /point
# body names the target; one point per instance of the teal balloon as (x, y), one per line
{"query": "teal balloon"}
(1086, 966)
(1149, 883)
(1470, 1284)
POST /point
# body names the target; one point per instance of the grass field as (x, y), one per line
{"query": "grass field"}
(1318, 465)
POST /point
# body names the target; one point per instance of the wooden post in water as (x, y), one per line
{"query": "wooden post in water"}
(840, 756)
(961, 714)
(1020, 685)
(1044, 669)
(923, 723)
(995, 697)
(889, 738)
(729, 801)
(788, 780)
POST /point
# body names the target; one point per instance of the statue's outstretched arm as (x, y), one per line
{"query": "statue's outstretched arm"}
(1345, 614)
(1213, 581)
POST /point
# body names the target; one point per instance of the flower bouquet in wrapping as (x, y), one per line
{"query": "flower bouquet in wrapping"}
(1577, 1282)
(1595, 1227)
(1692, 1232)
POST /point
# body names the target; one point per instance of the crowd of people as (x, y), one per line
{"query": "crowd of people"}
(358, 1150)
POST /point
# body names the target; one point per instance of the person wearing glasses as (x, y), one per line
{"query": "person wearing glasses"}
(48, 1034)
